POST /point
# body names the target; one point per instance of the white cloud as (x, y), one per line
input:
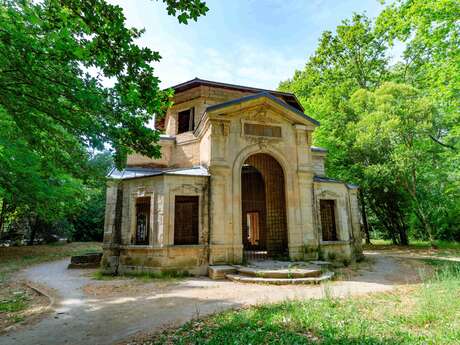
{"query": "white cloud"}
(240, 63)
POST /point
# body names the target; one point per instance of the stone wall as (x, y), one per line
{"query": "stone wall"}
(160, 253)
(220, 143)
(347, 219)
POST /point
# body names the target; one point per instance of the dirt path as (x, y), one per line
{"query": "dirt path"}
(115, 310)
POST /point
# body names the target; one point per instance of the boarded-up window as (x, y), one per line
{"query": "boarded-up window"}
(142, 220)
(186, 220)
(262, 130)
(185, 120)
(327, 210)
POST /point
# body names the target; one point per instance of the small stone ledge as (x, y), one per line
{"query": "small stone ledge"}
(90, 260)
(220, 271)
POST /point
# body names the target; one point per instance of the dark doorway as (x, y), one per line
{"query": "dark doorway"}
(263, 208)
(254, 209)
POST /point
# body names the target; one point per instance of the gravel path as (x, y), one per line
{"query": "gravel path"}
(80, 318)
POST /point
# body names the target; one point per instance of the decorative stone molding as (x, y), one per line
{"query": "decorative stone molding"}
(261, 115)
(187, 189)
(328, 194)
(220, 128)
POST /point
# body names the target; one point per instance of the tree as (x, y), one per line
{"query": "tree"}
(352, 58)
(53, 111)
(46, 51)
(430, 30)
(356, 57)
(86, 223)
(395, 125)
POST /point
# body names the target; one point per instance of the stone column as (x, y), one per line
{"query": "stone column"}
(307, 245)
(112, 227)
(222, 237)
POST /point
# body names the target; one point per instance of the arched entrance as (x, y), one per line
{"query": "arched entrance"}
(263, 208)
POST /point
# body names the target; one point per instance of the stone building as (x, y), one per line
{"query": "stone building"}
(238, 179)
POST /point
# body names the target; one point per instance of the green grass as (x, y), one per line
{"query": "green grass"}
(426, 314)
(17, 302)
(420, 244)
(13, 259)
(14, 298)
(144, 276)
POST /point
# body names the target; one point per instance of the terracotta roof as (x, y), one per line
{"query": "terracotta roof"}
(289, 98)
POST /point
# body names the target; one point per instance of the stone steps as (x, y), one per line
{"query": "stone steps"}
(280, 281)
(278, 273)
(287, 273)
(220, 271)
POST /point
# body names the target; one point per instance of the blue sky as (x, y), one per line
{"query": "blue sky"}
(250, 42)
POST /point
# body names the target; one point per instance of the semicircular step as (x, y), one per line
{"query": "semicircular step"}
(279, 273)
(280, 281)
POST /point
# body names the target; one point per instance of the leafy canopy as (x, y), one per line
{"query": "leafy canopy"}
(46, 52)
(371, 108)
(73, 81)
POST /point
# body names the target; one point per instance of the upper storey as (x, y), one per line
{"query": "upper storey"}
(193, 97)
(209, 121)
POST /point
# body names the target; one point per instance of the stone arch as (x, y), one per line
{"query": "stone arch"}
(242, 156)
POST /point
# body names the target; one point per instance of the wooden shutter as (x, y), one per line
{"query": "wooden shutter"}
(186, 220)
(327, 210)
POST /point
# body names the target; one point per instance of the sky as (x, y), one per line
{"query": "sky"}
(255, 43)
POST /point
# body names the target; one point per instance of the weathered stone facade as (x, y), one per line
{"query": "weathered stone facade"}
(207, 162)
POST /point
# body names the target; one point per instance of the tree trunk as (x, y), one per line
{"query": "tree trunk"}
(364, 214)
(403, 239)
(426, 225)
(33, 233)
(2, 216)
(33, 230)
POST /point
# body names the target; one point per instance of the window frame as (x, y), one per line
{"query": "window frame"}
(196, 218)
(334, 221)
(133, 216)
(191, 120)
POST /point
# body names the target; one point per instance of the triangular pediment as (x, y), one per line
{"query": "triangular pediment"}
(258, 103)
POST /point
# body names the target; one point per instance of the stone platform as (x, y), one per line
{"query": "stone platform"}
(272, 272)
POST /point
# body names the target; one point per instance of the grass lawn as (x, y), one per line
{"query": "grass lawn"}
(418, 244)
(15, 297)
(428, 313)
(441, 248)
(13, 259)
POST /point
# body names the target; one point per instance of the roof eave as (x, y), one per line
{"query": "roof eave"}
(197, 82)
(267, 95)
